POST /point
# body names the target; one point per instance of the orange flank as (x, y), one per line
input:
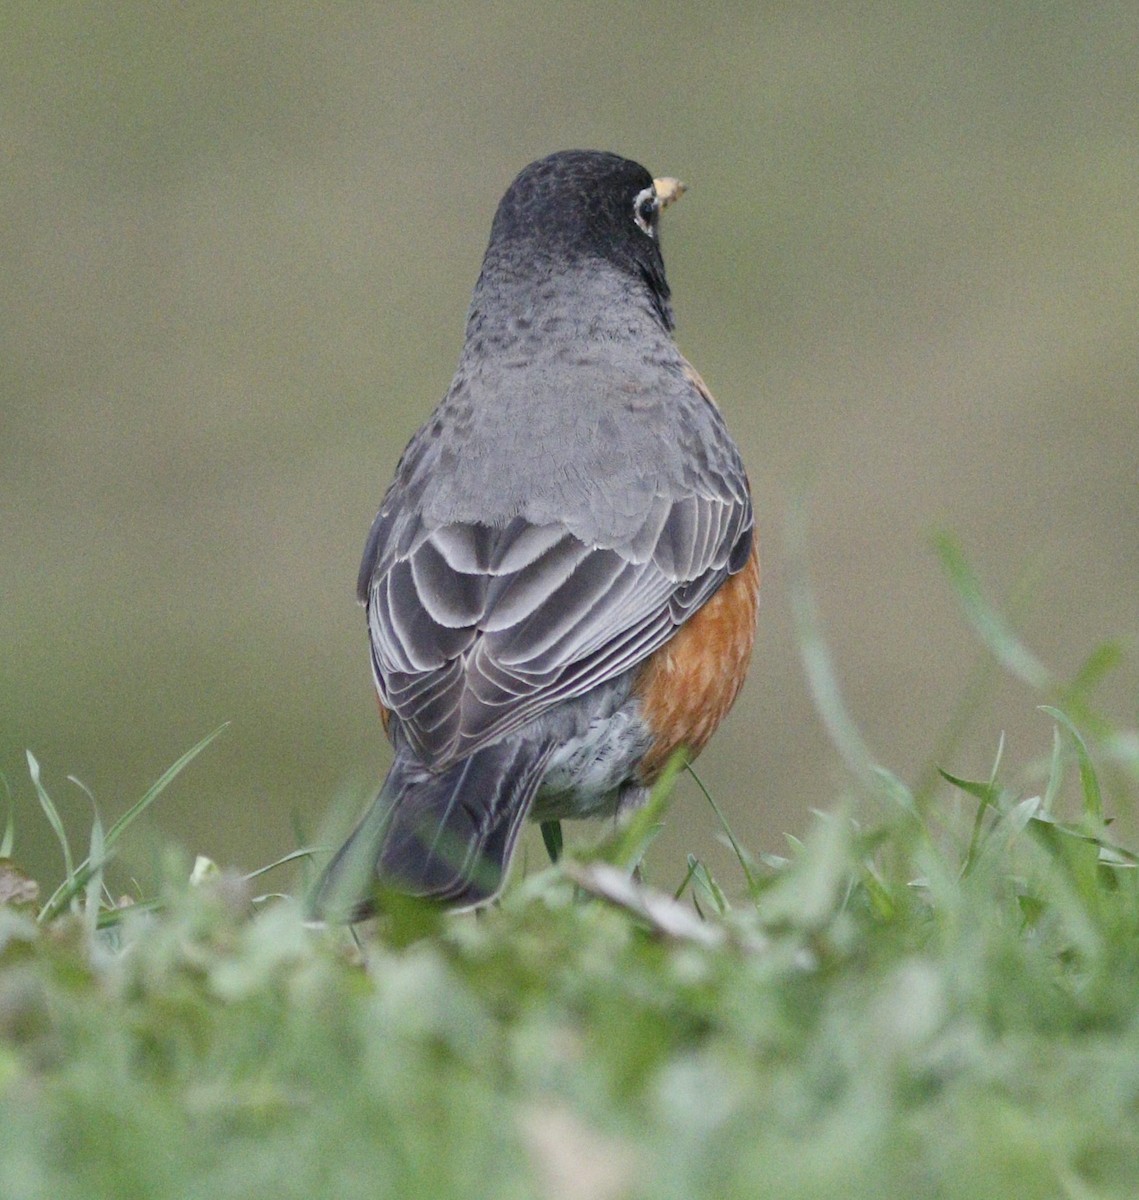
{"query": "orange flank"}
(688, 685)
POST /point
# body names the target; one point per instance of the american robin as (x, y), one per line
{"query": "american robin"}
(562, 583)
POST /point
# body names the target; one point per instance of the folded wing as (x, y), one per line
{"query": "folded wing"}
(476, 629)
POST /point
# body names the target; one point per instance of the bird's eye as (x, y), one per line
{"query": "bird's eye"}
(645, 208)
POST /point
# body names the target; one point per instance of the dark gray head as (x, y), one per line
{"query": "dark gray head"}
(581, 208)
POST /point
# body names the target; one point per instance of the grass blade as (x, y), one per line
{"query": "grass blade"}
(704, 882)
(1055, 771)
(821, 677)
(51, 813)
(77, 879)
(988, 793)
(552, 838)
(1093, 797)
(94, 886)
(109, 918)
(159, 786)
(635, 837)
(676, 895)
(988, 623)
(8, 841)
(305, 852)
(737, 849)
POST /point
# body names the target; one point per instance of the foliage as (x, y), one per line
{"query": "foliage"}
(923, 999)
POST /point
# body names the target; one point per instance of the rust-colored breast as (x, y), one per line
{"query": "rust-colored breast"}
(688, 685)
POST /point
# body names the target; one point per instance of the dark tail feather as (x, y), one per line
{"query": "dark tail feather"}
(446, 836)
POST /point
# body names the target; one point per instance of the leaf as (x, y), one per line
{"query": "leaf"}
(737, 849)
(808, 893)
(633, 839)
(76, 880)
(51, 813)
(1095, 668)
(1055, 771)
(1093, 797)
(292, 856)
(1109, 853)
(95, 880)
(985, 790)
(1022, 812)
(989, 624)
(702, 878)
(8, 840)
(552, 837)
(989, 795)
(159, 786)
(821, 676)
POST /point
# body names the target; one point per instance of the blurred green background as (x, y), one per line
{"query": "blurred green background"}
(237, 247)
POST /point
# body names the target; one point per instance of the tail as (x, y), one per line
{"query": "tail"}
(447, 836)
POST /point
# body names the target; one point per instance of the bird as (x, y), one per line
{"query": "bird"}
(561, 585)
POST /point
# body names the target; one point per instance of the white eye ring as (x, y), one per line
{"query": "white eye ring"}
(646, 205)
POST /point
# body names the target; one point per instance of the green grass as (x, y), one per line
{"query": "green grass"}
(935, 994)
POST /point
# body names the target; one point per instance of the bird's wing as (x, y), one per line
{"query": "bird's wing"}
(476, 629)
